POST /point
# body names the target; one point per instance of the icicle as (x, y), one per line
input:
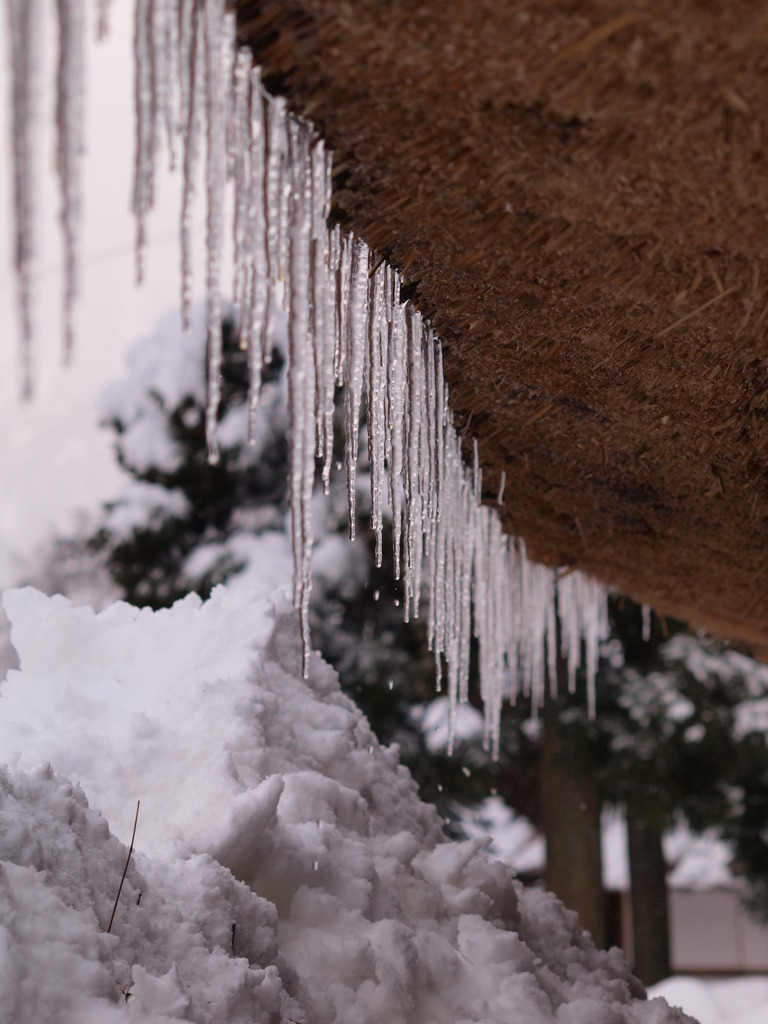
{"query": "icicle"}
(322, 300)
(437, 618)
(396, 414)
(241, 145)
(414, 494)
(425, 537)
(256, 279)
(511, 619)
(301, 381)
(341, 305)
(646, 613)
(431, 429)
(376, 406)
(165, 55)
(357, 316)
(219, 37)
(467, 521)
(145, 101)
(502, 485)
(583, 619)
(190, 64)
(495, 635)
(595, 618)
(570, 625)
(333, 347)
(161, 41)
(171, 73)
(102, 18)
(480, 596)
(277, 182)
(442, 405)
(26, 20)
(70, 146)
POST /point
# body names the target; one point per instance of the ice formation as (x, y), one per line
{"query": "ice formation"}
(25, 20)
(347, 326)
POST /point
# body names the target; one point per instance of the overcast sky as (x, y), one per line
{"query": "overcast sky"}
(52, 458)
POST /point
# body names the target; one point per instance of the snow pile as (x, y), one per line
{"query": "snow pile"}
(719, 1001)
(170, 955)
(285, 868)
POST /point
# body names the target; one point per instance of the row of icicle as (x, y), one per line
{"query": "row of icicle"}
(346, 326)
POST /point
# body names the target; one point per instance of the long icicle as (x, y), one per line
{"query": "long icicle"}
(190, 61)
(301, 380)
(70, 147)
(145, 112)
(219, 36)
(102, 18)
(25, 23)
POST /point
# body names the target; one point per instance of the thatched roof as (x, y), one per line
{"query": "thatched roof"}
(577, 194)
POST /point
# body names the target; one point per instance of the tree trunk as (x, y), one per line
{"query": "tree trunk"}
(571, 820)
(650, 918)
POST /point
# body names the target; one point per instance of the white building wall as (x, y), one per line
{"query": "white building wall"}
(711, 932)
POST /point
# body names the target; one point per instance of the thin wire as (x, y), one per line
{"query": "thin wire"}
(103, 255)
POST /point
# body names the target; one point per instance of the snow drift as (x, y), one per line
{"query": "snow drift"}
(285, 868)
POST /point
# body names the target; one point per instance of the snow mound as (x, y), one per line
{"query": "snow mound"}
(718, 1001)
(172, 952)
(285, 868)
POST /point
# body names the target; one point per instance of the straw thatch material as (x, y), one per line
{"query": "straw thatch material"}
(578, 195)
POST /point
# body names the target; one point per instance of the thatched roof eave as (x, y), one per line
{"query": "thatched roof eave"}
(576, 195)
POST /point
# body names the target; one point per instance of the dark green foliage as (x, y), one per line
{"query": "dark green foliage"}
(147, 565)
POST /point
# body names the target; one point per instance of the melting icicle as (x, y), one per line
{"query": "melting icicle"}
(146, 118)
(340, 313)
(70, 146)
(331, 345)
(240, 157)
(26, 20)
(354, 341)
(413, 519)
(377, 363)
(190, 62)
(646, 613)
(301, 381)
(276, 184)
(255, 279)
(502, 485)
(102, 18)
(395, 415)
(322, 304)
(219, 40)
(169, 73)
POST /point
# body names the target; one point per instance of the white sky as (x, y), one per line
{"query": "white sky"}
(52, 458)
